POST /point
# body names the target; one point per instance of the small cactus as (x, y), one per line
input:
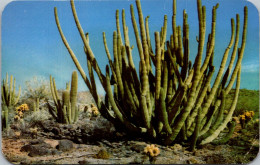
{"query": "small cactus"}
(9, 97)
(36, 105)
(66, 110)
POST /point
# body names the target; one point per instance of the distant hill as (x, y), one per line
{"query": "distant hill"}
(248, 100)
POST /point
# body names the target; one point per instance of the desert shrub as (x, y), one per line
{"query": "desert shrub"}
(37, 116)
(37, 87)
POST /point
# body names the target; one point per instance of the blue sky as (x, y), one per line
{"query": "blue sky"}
(31, 45)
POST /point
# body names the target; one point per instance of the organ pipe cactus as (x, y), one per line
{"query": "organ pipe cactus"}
(9, 98)
(177, 101)
(65, 110)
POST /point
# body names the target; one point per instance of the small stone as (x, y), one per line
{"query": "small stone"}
(65, 145)
(83, 162)
(138, 148)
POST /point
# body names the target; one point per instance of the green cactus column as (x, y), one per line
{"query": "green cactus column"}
(65, 110)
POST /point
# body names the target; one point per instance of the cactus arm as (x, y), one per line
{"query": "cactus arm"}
(210, 120)
(144, 83)
(73, 94)
(94, 89)
(91, 74)
(143, 35)
(158, 67)
(127, 44)
(53, 92)
(200, 98)
(148, 34)
(66, 99)
(117, 67)
(64, 110)
(197, 130)
(228, 135)
(179, 52)
(174, 64)
(163, 113)
(115, 107)
(118, 27)
(212, 39)
(174, 31)
(18, 96)
(138, 40)
(73, 56)
(109, 57)
(76, 114)
(69, 113)
(164, 32)
(13, 93)
(37, 104)
(3, 95)
(229, 115)
(56, 92)
(221, 111)
(219, 117)
(234, 52)
(170, 83)
(173, 107)
(10, 91)
(86, 45)
(6, 115)
(119, 54)
(165, 78)
(184, 69)
(240, 53)
(219, 75)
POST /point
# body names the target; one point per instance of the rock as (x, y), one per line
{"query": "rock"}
(38, 147)
(56, 131)
(38, 150)
(137, 148)
(65, 145)
(36, 141)
(144, 159)
(83, 162)
(51, 142)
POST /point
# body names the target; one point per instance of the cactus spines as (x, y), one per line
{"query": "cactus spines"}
(178, 98)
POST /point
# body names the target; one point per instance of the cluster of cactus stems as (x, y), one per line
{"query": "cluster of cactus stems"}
(66, 110)
(9, 98)
(177, 102)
